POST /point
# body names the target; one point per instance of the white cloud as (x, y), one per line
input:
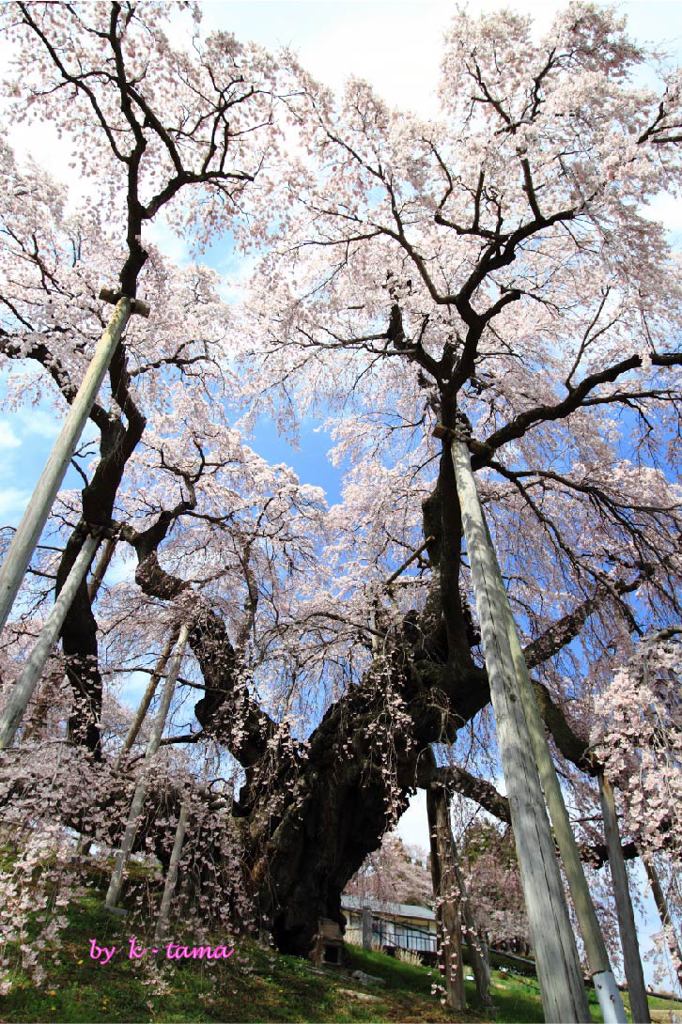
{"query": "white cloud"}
(8, 438)
(54, 152)
(394, 44)
(164, 238)
(13, 501)
(39, 422)
(132, 689)
(235, 276)
(413, 827)
(121, 570)
(665, 208)
(397, 45)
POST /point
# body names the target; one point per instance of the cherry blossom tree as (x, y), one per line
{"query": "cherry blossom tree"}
(394, 873)
(494, 268)
(494, 887)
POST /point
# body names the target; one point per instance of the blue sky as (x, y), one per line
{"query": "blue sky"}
(395, 45)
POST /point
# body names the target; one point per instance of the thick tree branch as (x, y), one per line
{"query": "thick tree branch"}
(227, 711)
(573, 401)
(483, 793)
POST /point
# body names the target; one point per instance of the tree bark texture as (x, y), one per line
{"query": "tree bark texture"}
(447, 896)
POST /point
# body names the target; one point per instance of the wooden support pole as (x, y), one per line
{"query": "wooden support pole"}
(447, 896)
(24, 687)
(40, 504)
(609, 996)
(143, 708)
(366, 928)
(171, 877)
(137, 803)
(558, 966)
(664, 914)
(634, 974)
(99, 572)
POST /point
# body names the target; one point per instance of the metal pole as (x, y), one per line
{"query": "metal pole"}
(171, 877)
(137, 803)
(634, 974)
(558, 966)
(605, 985)
(39, 506)
(22, 691)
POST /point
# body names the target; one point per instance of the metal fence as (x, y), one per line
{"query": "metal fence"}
(402, 936)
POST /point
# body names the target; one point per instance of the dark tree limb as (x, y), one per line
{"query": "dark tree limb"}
(227, 711)
(483, 793)
(515, 429)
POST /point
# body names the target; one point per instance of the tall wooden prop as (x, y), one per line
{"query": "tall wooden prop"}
(664, 914)
(137, 803)
(446, 893)
(31, 526)
(171, 876)
(154, 680)
(477, 946)
(366, 928)
(610, 999)
(558, 966)
(634, 974)
(24, 687)
(100, 569)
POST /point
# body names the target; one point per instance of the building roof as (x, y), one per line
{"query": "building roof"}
(382, 907)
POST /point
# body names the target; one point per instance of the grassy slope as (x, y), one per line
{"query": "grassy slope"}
(254, 985)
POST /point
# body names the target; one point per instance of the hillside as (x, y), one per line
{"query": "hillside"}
(254, 984)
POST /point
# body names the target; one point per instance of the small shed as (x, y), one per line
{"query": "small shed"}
(394, 925)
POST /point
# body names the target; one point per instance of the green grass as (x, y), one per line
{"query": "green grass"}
(256, 984)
